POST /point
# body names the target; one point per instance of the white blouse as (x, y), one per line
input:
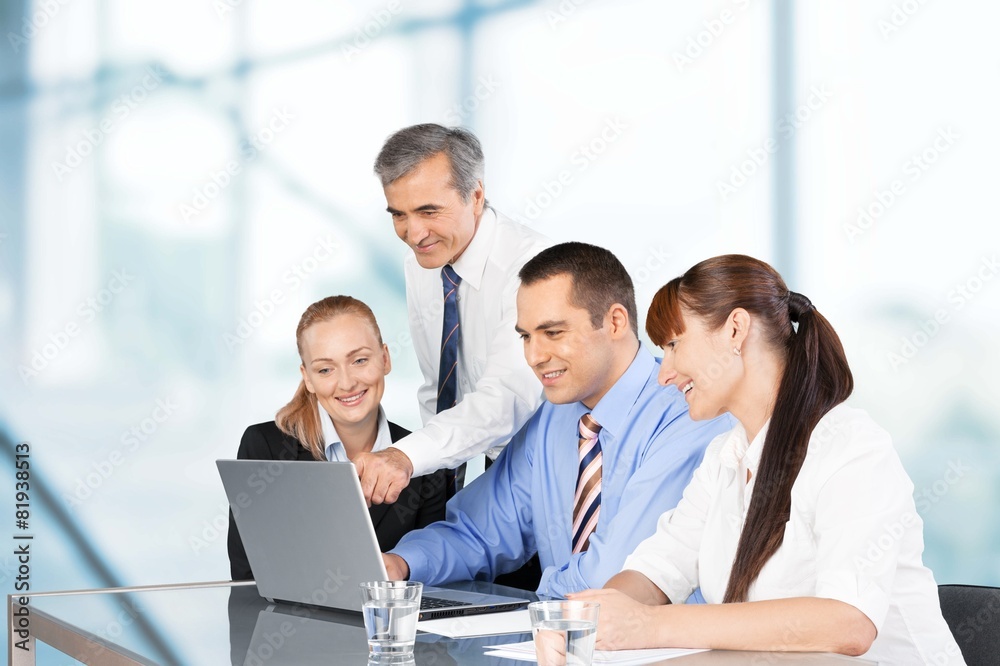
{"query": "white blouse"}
(853, 535)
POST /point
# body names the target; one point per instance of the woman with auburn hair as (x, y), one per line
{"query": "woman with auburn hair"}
(799, 526)
(335, 415)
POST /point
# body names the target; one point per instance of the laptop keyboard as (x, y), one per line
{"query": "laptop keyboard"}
(430, 603)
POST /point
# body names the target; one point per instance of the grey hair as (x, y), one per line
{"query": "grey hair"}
(410, 146)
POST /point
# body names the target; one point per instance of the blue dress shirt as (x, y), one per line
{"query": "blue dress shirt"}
(524, 503)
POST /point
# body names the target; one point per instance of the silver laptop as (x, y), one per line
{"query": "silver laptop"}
(310, 540)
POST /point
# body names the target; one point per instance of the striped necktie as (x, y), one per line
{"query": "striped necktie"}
(447, 370)
(587, 502)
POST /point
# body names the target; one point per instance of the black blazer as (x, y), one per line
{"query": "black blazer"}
(420, 504)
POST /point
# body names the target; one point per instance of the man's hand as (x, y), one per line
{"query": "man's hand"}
(383, 475)
(396, 567)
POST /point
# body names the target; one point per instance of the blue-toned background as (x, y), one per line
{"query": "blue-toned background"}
(178, 180)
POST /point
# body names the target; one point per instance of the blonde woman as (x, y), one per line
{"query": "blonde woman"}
(336, 415)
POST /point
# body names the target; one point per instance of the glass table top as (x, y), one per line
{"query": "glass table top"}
(235, 625)
(227, 623)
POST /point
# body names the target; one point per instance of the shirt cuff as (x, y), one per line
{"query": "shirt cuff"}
(415, 560)
(544, 584)
(849, 587)
(422, 452)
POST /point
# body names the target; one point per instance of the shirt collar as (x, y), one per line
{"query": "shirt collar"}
(739, 450)
(613, 410)
(334, 447)
(472, 264)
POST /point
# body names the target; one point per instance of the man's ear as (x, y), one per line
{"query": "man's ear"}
(478, 198)
(618, 320)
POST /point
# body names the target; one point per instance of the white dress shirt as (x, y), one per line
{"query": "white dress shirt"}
(497, 390)
(853, 535)
(334, 446)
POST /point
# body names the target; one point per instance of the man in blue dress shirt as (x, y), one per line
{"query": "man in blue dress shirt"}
(581, 497)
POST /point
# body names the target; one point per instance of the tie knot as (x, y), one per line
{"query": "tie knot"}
(449, 278)
(589, 428)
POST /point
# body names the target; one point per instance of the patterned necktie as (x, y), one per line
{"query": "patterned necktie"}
(587, 502)
(447, 376)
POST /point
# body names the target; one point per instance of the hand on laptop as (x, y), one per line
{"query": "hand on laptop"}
(396, 567)
(384, 475)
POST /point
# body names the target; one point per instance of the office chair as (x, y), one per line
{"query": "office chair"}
(973, 615)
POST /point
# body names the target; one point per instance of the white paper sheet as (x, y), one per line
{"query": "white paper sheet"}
(487, 624)
(526, 652)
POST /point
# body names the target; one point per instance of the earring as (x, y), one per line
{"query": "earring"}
(736, 350)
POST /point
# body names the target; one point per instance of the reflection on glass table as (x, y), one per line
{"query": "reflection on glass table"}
(229, 623)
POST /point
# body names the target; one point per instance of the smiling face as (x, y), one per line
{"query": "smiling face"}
(344, 365)
(702, 365)
(574, 361)
(429, 214)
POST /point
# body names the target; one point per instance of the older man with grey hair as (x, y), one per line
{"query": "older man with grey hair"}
(461, 285)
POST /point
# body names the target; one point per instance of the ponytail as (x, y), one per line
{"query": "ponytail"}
(816, 378)
(300, 419)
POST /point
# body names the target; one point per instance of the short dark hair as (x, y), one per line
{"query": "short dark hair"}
(407, 148)
(599, 279)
